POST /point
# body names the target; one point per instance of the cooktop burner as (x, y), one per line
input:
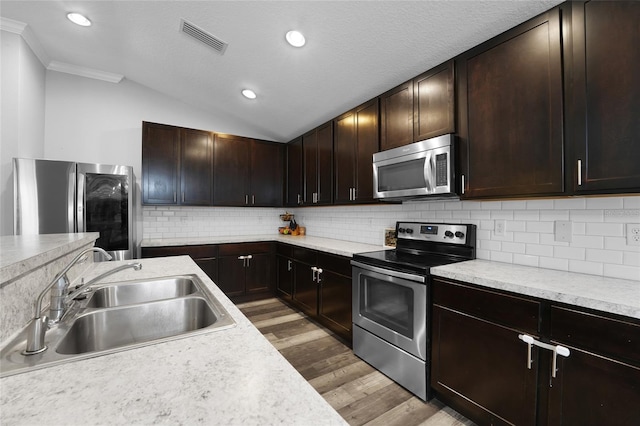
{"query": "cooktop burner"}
(421, 246)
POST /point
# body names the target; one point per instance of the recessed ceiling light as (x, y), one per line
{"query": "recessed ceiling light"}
(79, 19)
(295, 38)
(249, 94)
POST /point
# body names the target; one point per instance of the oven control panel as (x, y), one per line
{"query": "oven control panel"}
(436, 232)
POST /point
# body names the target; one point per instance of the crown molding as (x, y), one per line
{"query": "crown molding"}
(85, 72)
(22, 29)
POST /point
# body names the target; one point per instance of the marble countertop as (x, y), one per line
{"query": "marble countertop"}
(23, 253)
(611, 295)
(226, 377)
(339, 247)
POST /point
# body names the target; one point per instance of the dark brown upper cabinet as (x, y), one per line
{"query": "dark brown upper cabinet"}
(418, 109)
(294, 183)
(317, 149)
(396, 116)
(434, 102)
(177, 165)
(510, 112)
(604, 97)
(248, 172)
(355, 141)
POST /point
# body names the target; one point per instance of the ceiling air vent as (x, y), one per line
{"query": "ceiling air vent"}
(203, 36)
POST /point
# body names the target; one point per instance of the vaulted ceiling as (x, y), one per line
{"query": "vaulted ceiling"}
(355, 49)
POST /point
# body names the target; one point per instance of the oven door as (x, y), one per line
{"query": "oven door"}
(391, 305)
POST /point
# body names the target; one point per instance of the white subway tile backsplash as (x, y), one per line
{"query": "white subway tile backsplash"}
(604, 256)
(605, 203)
(598, 243)
(605, 229)
(622, 271)
(582, 267)
(569, 253)
(553, 263)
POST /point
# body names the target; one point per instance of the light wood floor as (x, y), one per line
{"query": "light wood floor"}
(361, 394)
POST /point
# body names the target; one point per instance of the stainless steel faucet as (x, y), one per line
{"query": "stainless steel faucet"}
(82, 288)
(58, 286)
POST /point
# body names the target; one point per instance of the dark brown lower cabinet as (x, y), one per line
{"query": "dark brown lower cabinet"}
(320, 286)
(205, 256)
(478, 362)
(599, 383)
(479, 365)
(246, 271)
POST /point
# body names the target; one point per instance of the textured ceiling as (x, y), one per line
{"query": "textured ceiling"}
(355, 49)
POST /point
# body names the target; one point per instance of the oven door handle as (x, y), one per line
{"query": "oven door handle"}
(397, 274)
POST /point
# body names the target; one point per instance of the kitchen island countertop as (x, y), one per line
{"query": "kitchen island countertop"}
(226, 377)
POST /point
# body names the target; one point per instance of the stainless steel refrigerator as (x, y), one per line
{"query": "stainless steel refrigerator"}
(53, 197)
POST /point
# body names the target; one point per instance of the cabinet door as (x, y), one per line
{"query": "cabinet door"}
(396, 117)
(196, 162)
(335, 302)
(325, 164)
(160, 171)
(266, 173)
(368, 143)
(231, 275)
(231, 170)
(479, 365)
(310, 155)
(606, 110)
(510, 97)
(210, 267)
(599, 383)
(305, 292)
(344, 147)
(260, 273)
(486, 364)
(594, 390)
(433, 102)
(294, 165)
(284, 282)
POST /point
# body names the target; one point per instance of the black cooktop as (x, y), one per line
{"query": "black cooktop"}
(405, 262)
(421, 246)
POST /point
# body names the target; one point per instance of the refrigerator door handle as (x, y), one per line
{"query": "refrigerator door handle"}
(71, 200)
(80, 213)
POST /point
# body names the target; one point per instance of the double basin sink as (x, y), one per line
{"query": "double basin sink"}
(120, 316)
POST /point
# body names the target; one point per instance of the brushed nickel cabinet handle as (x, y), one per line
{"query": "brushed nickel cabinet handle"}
(579, 172)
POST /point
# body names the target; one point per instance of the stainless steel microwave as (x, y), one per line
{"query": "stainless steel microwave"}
(421, 169)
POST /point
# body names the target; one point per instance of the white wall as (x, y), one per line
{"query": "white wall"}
(99, 122)
(94, 121)
(22, 90)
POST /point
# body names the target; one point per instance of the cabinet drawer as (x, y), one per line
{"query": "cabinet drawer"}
(605, 336)
(338, 264)
(196, 252)
(284, 249)
(511, 311)
(305, 255)
(242, 249)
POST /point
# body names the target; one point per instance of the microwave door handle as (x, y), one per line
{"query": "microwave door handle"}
(428, 171)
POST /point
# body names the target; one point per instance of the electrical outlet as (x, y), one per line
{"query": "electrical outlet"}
(633, 234)
(499, 227)
(563, 231)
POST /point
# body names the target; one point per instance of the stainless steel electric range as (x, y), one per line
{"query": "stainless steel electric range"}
(391, 299)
